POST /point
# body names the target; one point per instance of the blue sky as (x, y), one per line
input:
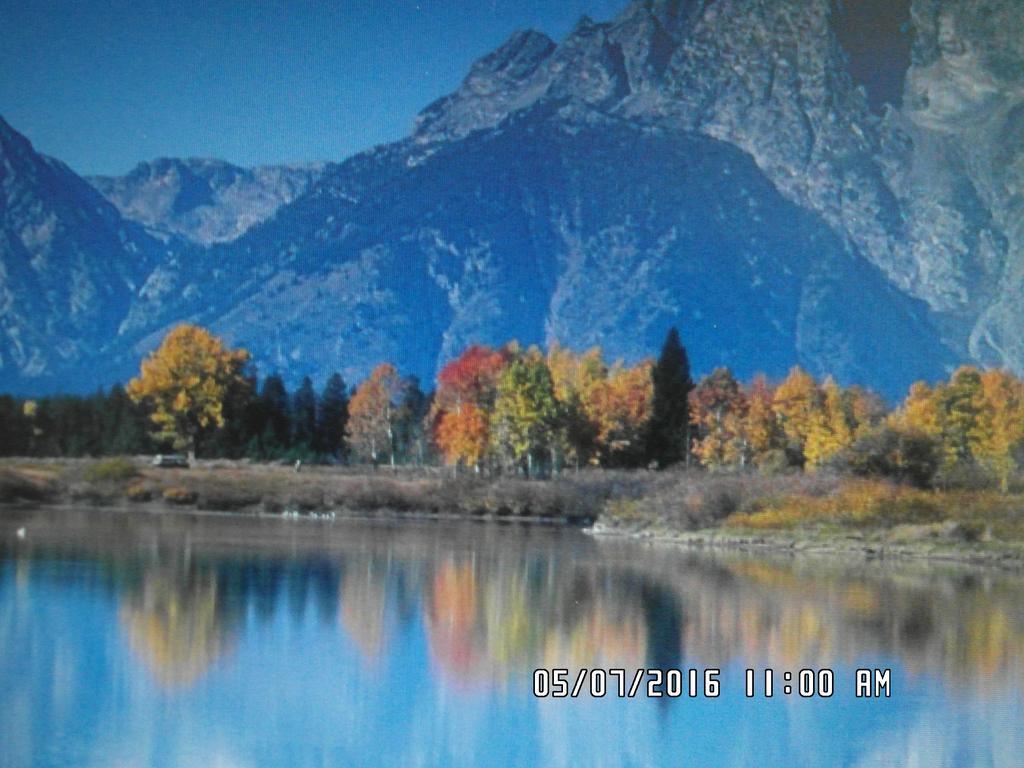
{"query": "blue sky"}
(103, 84)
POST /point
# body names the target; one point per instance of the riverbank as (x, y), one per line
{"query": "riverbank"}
(266, 489)
(813, 514)
(825, 515)
(935, 544)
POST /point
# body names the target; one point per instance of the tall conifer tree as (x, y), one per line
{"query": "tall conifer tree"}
(277, 427)
(304, 416)
(669, 430)
(332, 418)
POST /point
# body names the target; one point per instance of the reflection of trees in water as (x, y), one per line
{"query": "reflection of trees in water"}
(495, 619)
(364, 604)
(792, 615)
(493, 613)
(180, 618)
(176, 623)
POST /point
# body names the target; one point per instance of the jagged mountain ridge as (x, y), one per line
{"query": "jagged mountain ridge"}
(878, 244)
(203, 200)
(464, 254)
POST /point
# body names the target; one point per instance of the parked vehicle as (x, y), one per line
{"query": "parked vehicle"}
(170, 461)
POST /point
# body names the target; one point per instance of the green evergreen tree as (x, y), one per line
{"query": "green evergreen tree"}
(125, 427)
(276, 437)
(668, 440)
(303, 418)
(332, 418)
(15, 428)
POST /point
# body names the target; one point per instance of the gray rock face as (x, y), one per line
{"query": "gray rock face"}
(929, 193)
(205, 201)
(69, 269)
(710, 164)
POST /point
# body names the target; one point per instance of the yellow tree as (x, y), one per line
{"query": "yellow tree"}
(961, 409)
(1002, 424)
(373, 412)
(830, 432)
(761, 426)
(185, 382)
(526, 413)
(920, 411)
(718, 408)
(797, 404)
(621, 407)
(575, 378)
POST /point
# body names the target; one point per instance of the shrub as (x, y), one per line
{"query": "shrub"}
(965, 475)
(903, 456)
(176, 495)
(16, 486)
(777, 462)
(691, 500)
(139, 493)
(854, 504)
(110, 470)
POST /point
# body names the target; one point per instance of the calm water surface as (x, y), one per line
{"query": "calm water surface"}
(187, 641)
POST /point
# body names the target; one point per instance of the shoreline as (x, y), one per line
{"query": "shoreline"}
(862, 547)
(868, 546)
(694, 512)
(156, 510)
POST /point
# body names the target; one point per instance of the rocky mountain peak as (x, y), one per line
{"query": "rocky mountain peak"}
(516, 59)
(740, 168)
(204, 200)
(10, 139)
(673, 15)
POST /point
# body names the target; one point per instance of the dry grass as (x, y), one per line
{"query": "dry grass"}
(254, 488)
(674, 500)
(693, 500)
(865, 504)
(27, 486)
(111, 470)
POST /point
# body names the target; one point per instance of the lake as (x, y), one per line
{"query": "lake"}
(137, 640)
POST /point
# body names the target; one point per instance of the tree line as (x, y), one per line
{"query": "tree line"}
(535, 412)
(192, 395)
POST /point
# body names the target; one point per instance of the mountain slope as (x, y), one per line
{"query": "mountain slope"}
(69, 268)
(205, 201)
(714, 165)
(590, 232)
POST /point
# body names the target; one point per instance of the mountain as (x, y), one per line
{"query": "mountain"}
(205, 201)
(785, 180)
(70, 268)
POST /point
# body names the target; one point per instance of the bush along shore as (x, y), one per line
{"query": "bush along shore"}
(819, 513)
(316, 492)
(823, 513)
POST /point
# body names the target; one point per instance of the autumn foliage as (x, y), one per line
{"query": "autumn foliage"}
(373, 413)
(519, 410)
(976, 417)
(514, 410)
(186, 382)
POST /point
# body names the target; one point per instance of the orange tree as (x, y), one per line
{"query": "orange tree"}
(466, 392)
(185, 382)
(373, 413)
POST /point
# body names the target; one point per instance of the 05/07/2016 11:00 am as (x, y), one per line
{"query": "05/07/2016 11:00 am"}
(693, 683)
